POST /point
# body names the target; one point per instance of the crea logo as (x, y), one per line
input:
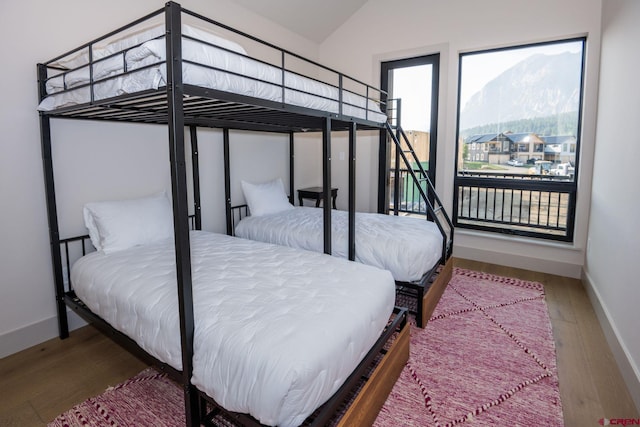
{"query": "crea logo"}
(619, 421)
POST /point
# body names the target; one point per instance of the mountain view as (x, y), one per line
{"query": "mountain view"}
(534, 89)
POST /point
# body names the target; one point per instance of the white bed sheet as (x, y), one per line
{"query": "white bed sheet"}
(407, 247)
(239, 77)
(277, 331)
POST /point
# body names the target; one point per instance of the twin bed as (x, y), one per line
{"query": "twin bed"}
(249, 300)
(256, 333)
(383, 241)
(416, 251)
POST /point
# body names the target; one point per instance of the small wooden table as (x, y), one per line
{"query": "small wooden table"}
(316, 193)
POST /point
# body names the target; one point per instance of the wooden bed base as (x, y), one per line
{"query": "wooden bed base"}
(427, 292)
(365, 408)
(433, 295)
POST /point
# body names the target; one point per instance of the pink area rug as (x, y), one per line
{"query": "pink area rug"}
(149, 399)
(486, 358)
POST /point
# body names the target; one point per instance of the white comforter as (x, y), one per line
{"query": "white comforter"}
(277, 330)
(407, 247)
(206, 66)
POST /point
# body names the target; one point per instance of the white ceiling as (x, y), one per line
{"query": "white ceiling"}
(312, 19)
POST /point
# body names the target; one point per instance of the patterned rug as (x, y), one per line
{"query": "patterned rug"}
(486, 357)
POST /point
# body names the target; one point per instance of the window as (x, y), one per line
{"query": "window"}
(524, 102)
(412, 88)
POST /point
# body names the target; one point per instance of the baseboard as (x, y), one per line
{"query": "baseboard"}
(548, 266)
(34, 334)
(628, 368)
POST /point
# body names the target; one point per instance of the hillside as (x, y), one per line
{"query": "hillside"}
(539, 86)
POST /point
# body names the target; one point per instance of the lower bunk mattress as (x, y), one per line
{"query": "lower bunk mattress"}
(407, 247)
(277, 330)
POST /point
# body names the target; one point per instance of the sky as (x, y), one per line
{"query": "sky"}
(479, 69)
(413, 84)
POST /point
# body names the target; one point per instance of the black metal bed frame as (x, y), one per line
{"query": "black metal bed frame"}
(178, 106)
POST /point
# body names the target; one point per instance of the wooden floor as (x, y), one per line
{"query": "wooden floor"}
(39, 383)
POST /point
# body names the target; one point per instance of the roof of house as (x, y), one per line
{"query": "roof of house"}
(558, 139)
(485, 137)
(523, 137)
(520, 137)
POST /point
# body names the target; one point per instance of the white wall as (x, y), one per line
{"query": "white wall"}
(309, 162)
(614, 230)
(378, 32)
(86, 167)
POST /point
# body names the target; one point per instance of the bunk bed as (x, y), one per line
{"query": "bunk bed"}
(178, 76)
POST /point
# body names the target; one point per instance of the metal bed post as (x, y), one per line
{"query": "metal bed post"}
(396, 181)
(291, 167)
(195, 172)
(227, 180)
(383, 173)
(175, 112)
(352, 191)
(383, 161)
(326, 183)
(52, 214)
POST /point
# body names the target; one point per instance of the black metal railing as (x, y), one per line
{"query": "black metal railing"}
(530, 205)
(409, 200)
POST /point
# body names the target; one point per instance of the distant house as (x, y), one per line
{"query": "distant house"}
(560, 149)
(498, 148)
(526, 146)
(420, 143)
(489, 148)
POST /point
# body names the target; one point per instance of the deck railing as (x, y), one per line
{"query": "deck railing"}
(409, 201)
(531, 205)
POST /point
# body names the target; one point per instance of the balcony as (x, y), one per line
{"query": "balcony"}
(517, 204)
(527, 205)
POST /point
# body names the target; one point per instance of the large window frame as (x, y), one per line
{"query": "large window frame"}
(538, 205)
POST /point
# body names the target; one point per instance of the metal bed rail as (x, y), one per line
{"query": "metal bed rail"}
(287, 63)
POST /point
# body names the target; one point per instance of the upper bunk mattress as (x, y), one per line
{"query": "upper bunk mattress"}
(407, 247)
(277, 330)
(209, 61)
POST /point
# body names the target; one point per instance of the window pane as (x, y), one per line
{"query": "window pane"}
(521, 106)
(519, 139)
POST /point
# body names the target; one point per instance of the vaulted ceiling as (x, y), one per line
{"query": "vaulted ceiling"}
(312, 19)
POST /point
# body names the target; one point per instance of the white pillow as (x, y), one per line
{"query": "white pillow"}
(266, 198)
(210, 36)
(129, 39)
(122, 224)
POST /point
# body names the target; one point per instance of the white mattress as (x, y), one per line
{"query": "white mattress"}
(300, 90)
(277, 330)
(407, 247)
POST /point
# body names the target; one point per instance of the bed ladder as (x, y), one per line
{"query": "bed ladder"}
(435, 209)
